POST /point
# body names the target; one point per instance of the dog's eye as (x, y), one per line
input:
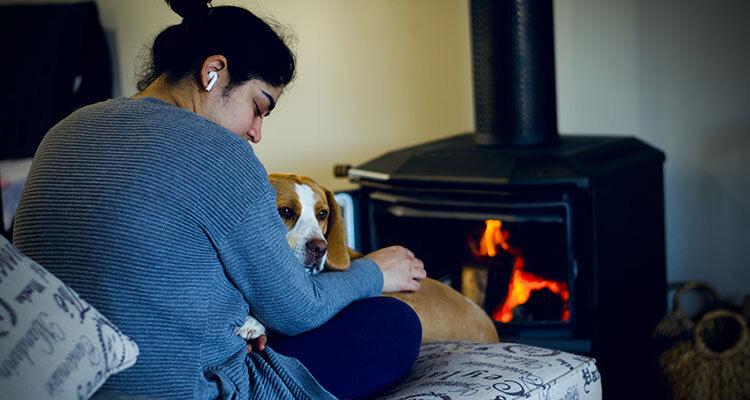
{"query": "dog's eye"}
(286, 212)
(322, 214)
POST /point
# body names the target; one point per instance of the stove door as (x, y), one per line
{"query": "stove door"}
(513, 258)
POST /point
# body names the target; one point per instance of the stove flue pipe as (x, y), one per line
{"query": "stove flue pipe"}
(514, 73)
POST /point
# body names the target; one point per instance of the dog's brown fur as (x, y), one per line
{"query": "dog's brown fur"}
(445, 314)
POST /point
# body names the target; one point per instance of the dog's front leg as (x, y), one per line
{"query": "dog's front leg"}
(251, 329)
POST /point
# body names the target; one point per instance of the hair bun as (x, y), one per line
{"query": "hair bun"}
(188, 9)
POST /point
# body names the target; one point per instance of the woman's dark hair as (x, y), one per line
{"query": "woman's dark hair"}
(254, 50)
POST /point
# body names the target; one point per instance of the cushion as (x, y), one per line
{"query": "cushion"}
(52, 343)
(497, 371)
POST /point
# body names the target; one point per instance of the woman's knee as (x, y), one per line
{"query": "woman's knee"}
(381, 317)
(393, 325)
(376, 341)
(397, 317)
(390, 341)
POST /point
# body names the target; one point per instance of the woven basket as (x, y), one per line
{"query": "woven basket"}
(715, 363)
(676, 324)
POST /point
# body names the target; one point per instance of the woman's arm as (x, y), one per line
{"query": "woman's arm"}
(260, 263)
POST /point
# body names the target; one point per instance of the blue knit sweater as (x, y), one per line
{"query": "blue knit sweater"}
(167, 224)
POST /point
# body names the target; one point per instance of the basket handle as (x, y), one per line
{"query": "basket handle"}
(690, 286)
(700, 342)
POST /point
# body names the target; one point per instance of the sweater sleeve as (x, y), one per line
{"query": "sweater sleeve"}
(285, 298)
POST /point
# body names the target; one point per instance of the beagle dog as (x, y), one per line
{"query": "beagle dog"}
(317, 236)
(315, 231)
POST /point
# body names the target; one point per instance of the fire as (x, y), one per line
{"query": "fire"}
(522, 283)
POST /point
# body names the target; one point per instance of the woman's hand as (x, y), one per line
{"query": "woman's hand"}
(401, 270)
(258, 344)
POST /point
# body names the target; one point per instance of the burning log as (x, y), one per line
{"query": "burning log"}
(498, 265)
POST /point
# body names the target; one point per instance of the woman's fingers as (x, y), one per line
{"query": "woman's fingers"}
(401, 269)
(419, 271)
(258, 344)
(413, 286)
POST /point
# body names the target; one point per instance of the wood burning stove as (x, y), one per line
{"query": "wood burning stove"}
(579, 225)
(559, 238)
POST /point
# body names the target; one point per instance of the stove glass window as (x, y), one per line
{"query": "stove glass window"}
(513, 263)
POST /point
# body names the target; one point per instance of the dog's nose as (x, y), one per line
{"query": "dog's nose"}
(317, 246)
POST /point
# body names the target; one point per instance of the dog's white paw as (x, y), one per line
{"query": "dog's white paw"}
(251, 329)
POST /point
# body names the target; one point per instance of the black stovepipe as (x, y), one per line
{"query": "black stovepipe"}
(514, 73)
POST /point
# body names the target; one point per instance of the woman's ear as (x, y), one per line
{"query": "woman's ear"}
(338, 252)
(216, 64)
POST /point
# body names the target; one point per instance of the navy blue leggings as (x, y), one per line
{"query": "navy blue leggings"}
(363, 349)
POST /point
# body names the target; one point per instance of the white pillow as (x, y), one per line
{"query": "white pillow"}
(52, 343)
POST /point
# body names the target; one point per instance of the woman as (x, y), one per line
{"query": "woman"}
(156, 210)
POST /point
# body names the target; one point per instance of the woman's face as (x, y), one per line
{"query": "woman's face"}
(245, 107)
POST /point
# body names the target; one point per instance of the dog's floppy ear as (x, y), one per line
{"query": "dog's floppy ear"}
(338, 252)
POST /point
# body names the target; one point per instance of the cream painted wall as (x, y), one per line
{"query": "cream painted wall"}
(382, 74)
(372, 76)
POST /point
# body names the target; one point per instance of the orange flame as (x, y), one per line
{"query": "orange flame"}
(522, 283)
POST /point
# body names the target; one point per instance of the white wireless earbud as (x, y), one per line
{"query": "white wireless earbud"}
(212, 76)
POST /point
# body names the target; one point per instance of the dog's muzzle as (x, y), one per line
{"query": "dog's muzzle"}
(315, 252)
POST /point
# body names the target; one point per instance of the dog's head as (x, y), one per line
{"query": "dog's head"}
(314, 222)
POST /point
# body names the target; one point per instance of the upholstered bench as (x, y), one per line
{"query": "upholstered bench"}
(497, 371)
